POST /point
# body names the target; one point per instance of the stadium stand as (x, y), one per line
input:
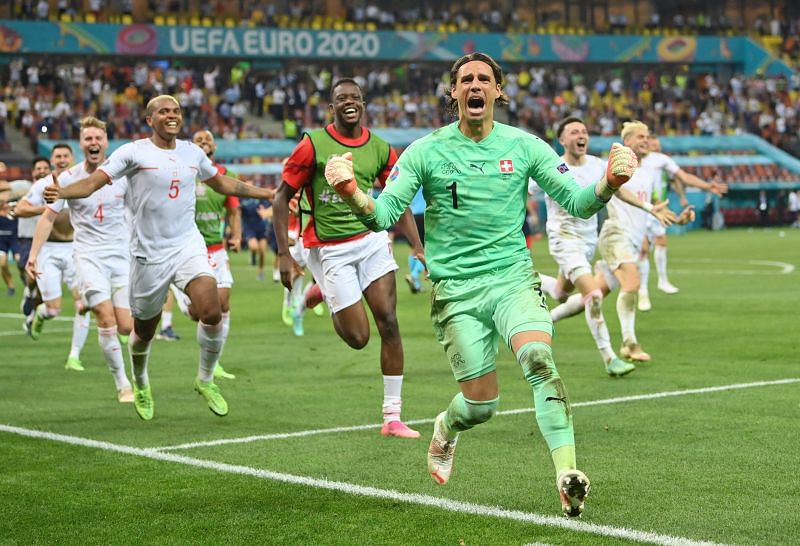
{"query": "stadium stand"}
(44, 96)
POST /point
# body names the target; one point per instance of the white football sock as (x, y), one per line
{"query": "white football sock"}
(80, 330)
(644, 273)
(569, 308)
(209, 337)
(109, 343)
(298, 302)
(626, 310)
(549, 285)
(226, 327)
(392, 387)
(597, 325)
(660, 256)
(139, 351)
(166, 320)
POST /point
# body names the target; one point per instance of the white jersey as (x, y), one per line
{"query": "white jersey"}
(657, 164)
(25, 226)
(560, 223)
(632, 219)
(161, 195)
(99, 220)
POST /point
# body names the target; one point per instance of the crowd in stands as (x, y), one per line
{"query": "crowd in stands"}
(465, 16)
(43, 96)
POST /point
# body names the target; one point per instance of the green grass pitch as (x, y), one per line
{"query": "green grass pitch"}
(717, 465)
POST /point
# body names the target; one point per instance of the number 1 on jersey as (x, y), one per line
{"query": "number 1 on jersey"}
(453, 190)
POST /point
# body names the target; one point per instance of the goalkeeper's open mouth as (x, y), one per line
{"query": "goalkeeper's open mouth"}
(476, 105)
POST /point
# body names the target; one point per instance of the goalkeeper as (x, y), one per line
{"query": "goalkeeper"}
(474, 177)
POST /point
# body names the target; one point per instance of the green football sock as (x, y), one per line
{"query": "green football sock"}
(463, 414)
(553, 413)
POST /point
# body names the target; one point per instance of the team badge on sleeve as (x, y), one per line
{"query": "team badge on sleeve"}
(506, 166)
(562, 168)
(393, 174)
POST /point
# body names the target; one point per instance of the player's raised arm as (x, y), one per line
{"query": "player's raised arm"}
(661, 211)
(81, 188)
(339, 174)
(381, 213)
(552, 174)
(231, 186)
(688, 179)
(43, 228)
(26, 209)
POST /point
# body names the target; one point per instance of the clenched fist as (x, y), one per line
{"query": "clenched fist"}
(622, 163)
(339, 174)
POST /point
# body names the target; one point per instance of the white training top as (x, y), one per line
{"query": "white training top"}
(560, 223)
(161, 195)
(99, 220)
(633, 219)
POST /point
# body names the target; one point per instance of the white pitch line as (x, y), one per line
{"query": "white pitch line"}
(21, 316)
(24, 333)
(365, 491)
(785, 268)
(617, 400)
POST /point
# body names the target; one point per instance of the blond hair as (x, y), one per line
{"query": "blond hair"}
(91, 122)
(151, 104)
(630, 126)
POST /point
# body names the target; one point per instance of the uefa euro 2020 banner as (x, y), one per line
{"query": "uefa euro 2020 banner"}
(275, 43)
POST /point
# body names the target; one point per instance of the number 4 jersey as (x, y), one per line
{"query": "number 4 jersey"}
(100, 220)
(161, 195)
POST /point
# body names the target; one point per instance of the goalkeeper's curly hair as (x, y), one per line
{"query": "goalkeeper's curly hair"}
(451, 104)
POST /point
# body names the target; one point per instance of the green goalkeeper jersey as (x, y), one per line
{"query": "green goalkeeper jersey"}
(476, 193)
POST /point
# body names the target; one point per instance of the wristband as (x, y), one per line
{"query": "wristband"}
(648, 206)
(359, 202)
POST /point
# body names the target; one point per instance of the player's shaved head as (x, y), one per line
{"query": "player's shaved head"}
(342, 81)
(156, 101)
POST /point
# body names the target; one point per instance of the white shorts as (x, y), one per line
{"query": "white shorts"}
(345, 270)
(55, 266)
(654, 228)
(221, 266)
(574, 256)
(103, 276)
(150, 282)
(616, 247)
(299, 253)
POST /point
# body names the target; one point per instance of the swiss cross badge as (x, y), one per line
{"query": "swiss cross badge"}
(506, 166)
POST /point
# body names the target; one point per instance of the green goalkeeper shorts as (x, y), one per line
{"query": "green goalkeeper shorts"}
(470, 316)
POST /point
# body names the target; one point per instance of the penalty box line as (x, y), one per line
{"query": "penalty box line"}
(365, 491)
(615, 400)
